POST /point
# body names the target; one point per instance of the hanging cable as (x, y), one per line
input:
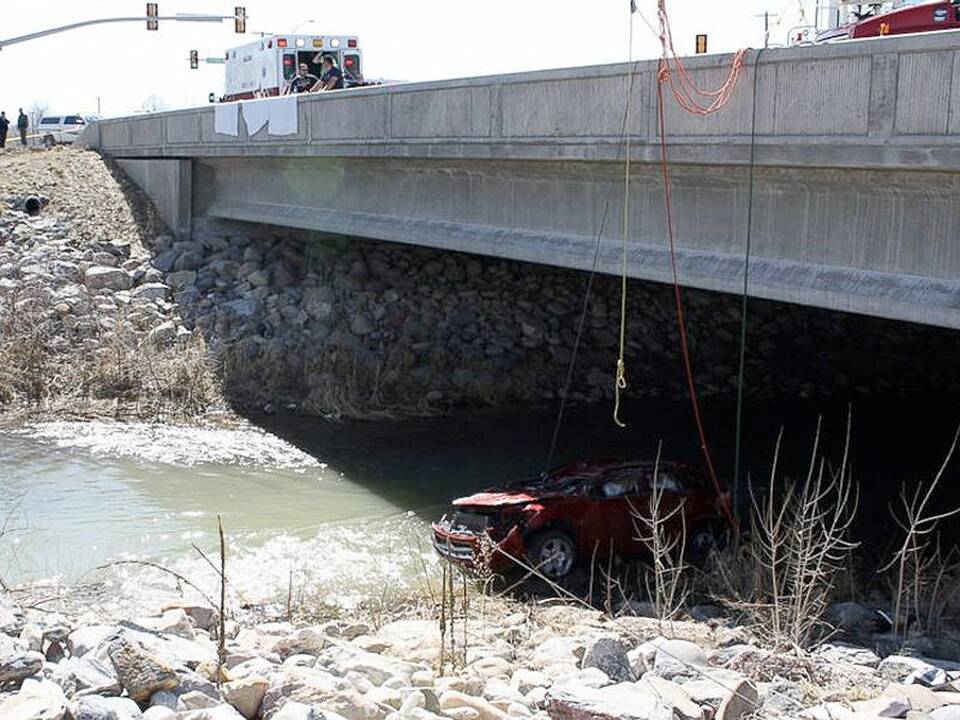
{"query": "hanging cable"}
(687, 94)
(620, 381)
(746, 287)
(624, 126)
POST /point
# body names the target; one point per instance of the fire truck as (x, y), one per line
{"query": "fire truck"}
(265, 68)
(839, 20)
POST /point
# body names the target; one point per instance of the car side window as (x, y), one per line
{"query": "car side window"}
(667, 482)
(623, 481)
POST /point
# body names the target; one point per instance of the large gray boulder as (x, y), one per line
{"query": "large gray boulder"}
(104, 277)
(140, 673)
(610, 656)
(94, 707)
(88, 673)
(16, 662)
(625, 701)
(151, 291)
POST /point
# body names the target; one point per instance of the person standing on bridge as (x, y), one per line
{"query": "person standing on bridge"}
(23, 122)
(4, 126)
(332, 77)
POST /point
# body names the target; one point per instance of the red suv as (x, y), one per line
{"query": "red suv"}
(582, 510)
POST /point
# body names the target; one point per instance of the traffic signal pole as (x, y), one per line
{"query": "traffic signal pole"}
(102, 21)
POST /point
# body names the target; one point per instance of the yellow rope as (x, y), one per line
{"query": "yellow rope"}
(620, 384)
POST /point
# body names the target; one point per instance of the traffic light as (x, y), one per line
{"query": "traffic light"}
(701, 44)
(194, 60)
(240, 19)
(152, 13)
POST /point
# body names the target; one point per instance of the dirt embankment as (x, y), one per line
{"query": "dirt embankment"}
(86, 326)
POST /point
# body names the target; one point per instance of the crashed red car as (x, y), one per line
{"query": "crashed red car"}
(579, 511)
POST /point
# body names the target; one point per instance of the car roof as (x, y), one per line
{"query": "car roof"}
(599, 466)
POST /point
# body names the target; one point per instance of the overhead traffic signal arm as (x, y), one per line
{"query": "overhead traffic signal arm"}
(240, 23)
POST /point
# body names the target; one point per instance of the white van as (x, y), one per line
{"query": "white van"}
(60, 128)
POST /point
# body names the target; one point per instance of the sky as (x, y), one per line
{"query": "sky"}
(122, 68)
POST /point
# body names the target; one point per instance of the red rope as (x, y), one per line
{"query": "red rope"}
(685, 91)
(688, 94)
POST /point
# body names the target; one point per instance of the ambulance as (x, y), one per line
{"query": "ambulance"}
(265, 68)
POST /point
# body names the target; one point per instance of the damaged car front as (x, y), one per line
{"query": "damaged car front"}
(491, 530)
(485, 531)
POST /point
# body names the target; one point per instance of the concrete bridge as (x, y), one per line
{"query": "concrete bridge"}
(857, 180)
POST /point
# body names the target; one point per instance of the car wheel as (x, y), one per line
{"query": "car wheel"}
(703, 540)
(552, 553)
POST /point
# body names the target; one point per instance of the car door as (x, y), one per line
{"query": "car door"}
(609, 524)
(666, 511)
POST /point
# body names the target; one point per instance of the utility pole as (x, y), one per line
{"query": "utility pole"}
(766, 27)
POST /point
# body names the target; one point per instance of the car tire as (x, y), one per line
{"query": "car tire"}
(552, 553)
(703, 540)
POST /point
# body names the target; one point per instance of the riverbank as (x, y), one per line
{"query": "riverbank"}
(463, 657)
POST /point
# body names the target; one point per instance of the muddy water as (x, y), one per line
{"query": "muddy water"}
(343, 509)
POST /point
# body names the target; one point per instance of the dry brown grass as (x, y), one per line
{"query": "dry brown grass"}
(47, 370)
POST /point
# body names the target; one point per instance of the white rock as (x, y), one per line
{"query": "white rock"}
(669, 693)
(415, 699)
(525, 680)
(159, 712)
(36, 700)
(195, 700)
(678, 658)
(885, 707)
(220, 712)
(626, 701)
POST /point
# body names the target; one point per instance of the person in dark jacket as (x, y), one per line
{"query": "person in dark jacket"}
(303, 81)
(4, 126)
(332, 77)
(23, 122)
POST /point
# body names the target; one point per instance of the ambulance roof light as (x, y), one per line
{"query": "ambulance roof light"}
(335, 42)
(352, 42)
(282, 42)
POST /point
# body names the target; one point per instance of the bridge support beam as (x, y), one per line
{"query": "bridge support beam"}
(169, 184)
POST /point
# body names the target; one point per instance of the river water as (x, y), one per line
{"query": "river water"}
(342, 510)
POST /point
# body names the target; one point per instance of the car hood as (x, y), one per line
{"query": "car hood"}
(495, 498)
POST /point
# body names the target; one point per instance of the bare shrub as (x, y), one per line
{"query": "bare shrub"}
(668, 569)
(800, 546)
(783, 581)
(925, 578)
